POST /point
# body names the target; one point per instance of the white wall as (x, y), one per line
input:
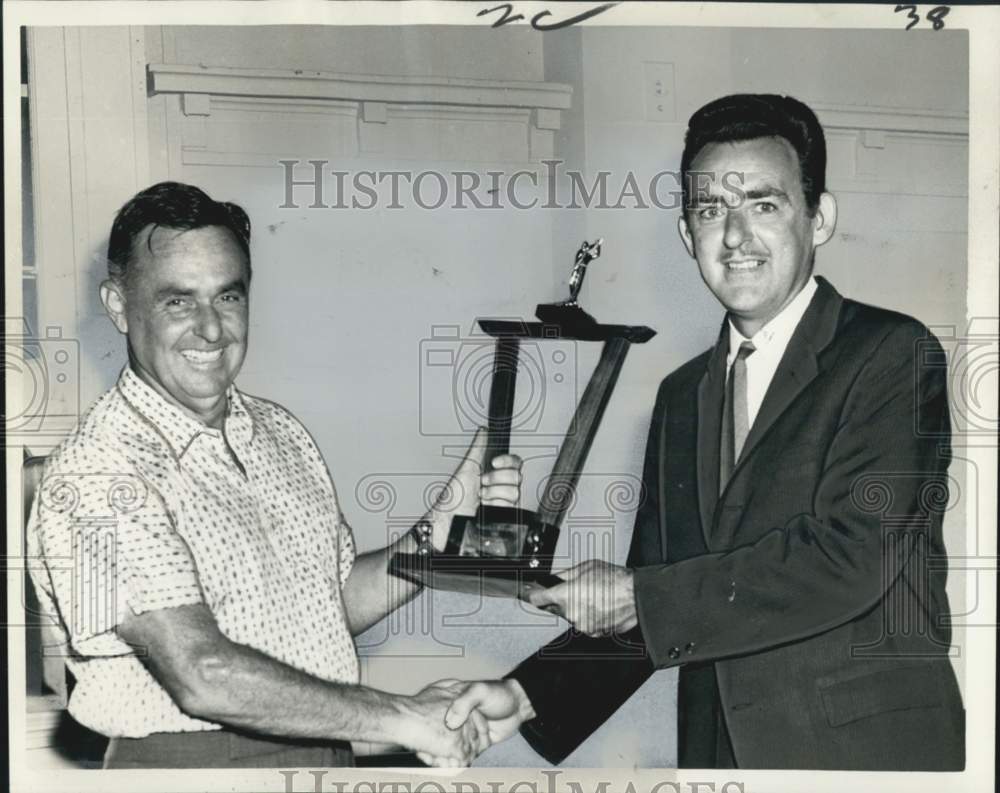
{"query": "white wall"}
(510, 53)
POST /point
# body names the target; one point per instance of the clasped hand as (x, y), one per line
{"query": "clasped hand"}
(597, 597)
(476, 481)
(462, 719)
(476, 716)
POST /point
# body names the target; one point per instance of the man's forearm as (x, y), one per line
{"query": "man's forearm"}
(371, 591)
(239, 686)
(213, 678)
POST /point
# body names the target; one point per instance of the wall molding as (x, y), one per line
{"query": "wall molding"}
(376, 114)
(892, 119)
(547, 98)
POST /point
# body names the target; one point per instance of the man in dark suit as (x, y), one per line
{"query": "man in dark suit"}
(788, 556)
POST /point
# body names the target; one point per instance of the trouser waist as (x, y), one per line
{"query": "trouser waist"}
(225, 749)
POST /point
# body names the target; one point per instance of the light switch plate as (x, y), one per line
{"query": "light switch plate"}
(658, 91)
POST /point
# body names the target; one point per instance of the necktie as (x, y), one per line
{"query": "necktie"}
(735, 417)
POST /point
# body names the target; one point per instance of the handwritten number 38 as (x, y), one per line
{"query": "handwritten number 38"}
(935, 16)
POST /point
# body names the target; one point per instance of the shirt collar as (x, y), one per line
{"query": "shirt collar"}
(239, 422)
(780, 329)
(177, 427)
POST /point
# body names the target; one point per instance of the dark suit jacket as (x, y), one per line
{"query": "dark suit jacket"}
(815, 584)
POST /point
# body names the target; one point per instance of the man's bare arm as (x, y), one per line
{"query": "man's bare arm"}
(213, 678)
(371, 592)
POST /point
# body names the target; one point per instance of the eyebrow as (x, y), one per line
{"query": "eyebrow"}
(238, 286)
(765, 192)
(702, 202)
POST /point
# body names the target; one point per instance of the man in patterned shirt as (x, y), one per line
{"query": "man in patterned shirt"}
(194, 549)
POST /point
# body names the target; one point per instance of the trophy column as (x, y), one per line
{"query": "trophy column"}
(562, 482)
(502, 390)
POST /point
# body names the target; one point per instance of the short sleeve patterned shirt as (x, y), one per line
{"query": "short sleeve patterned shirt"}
(145, 508)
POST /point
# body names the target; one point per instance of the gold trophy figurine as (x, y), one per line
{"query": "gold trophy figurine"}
(568, 315)
(587, 253)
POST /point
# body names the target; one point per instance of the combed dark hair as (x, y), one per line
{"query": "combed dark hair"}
(748, 116)
(176, 206)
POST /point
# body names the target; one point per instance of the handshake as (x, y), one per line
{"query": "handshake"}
(452, 721)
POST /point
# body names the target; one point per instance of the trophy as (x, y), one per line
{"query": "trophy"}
(506, 551)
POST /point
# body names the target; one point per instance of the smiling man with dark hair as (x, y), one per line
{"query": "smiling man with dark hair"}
(209, 621)
(794, 476)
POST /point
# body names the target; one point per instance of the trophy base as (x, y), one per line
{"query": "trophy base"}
(569, 317)
(564, 321)
(509, 578)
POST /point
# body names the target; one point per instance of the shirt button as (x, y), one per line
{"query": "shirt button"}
(673, 653)
(689, 648)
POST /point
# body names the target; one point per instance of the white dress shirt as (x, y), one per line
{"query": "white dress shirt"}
(770, 342)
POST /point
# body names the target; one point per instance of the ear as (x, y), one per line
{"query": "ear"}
(113, 298)
(685, 232)
(825, 220)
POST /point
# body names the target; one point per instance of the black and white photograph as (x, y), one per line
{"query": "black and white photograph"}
(473, 396)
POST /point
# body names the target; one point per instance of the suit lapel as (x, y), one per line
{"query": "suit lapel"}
(799, 365)
(711, 392)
